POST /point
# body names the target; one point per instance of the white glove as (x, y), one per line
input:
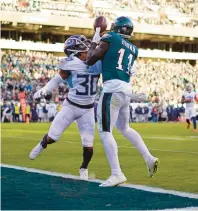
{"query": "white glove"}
(40, 93)
(97, 37)
(139, 97)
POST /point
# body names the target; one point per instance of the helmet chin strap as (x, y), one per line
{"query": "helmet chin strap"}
(76, 51)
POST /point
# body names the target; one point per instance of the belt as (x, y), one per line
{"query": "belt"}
(80, 106)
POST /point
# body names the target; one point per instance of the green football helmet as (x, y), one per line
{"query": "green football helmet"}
(123, 26)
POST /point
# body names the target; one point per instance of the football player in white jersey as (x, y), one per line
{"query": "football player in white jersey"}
(189, 99)
(79, 105)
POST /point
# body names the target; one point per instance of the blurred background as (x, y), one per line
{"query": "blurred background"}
(32, 37)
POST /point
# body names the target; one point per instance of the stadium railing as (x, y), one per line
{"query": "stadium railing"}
(58, 47)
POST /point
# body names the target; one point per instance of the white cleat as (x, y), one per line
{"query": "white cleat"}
(152, 166)
(83, 174)
(36, 151)
(114, 180)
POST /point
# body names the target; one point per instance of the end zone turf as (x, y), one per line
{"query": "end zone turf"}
(32, 189)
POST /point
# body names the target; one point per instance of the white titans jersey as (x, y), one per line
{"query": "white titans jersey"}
(190, 96)
(82, 80)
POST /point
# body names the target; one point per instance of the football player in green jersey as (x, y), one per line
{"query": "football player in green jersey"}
(117, 55)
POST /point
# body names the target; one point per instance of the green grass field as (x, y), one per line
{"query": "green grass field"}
(176, 147)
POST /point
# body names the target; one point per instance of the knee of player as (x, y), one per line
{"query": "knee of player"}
(105, 135)
(87, 141)
(123, 128)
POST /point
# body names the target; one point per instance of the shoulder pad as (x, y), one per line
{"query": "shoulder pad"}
(72, 64)
(107, 37)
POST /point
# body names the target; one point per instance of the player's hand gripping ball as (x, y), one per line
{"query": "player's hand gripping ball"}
(100, 22)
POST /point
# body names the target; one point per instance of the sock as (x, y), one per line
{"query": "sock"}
(194, 122)
(135, 138)
(44, 141)
(111, 150)
(87, 155)
(188, 121)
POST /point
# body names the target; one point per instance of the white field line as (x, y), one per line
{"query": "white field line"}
(153, 149)
(171, 138)
(161, 137)
(178, 209)
(138, 187)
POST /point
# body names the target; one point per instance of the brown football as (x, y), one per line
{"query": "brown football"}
(100, 22)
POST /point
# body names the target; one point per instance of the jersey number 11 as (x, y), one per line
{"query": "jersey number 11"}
(120, 59)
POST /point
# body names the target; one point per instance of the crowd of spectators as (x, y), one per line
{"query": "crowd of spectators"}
(42, 111)
(164, 21)
(24, 73)
(156, 112)
(92, 9)
(33, 5)
(27, 71)
(184, 6)
(167, 78)
(45, 111)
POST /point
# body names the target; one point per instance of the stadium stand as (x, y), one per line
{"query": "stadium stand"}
(165, 32)
(150, 12)
(163, 78)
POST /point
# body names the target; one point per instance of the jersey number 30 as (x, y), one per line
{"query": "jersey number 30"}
(89, 84)
(130, 57)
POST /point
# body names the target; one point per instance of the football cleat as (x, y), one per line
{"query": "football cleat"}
(114, 180)
(36, 151)
(83, 174)
(195, 130)
(152, 166)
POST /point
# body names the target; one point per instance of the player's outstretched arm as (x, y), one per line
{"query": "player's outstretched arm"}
(96, 54)
(52, 84)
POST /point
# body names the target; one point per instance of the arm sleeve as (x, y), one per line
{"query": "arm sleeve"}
(54, 83)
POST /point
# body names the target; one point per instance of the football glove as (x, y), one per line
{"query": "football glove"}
(40, 93)
(96, 39)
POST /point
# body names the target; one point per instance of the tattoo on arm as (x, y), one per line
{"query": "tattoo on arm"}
(95, 54)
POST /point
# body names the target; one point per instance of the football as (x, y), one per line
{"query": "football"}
(100, 22)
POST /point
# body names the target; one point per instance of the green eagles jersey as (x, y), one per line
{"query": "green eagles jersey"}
(119, 58)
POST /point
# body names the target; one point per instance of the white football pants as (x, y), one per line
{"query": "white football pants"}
(190, 112)
(113, 110)
(70, 113)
